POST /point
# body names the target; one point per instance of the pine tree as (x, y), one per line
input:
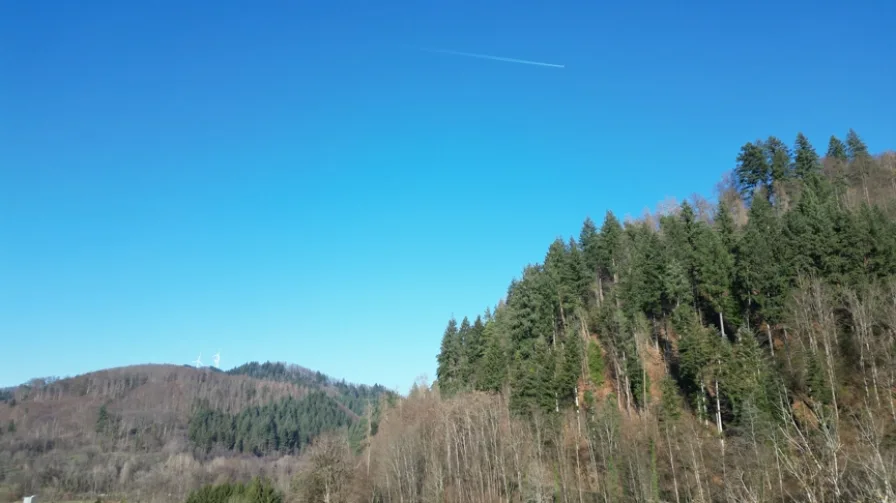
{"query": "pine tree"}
(837, 160)
(806, 161)
(724, 226)
(836, 149)
(609, 247)
(753, 170)
(569, 369)
(589, 243)
(808, 237)
(532, 386)
(778, 160)
(859, 161)
(713, 274)
(447, 372)
(758, 278)
(670, 402)
(102, 420)
(595, 363)
(493, 371)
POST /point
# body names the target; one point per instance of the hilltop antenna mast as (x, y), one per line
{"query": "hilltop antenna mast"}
(217, 359)
(198, 361)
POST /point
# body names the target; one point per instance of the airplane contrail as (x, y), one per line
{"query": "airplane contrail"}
(496, 58)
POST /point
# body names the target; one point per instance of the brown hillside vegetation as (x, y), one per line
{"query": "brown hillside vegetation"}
(50, 438)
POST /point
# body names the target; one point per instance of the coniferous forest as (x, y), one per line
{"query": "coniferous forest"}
(728, 351)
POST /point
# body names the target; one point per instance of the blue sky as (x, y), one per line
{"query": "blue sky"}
(301, 183)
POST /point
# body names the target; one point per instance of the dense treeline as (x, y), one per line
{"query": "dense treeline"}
(600, 302)
(770, 317)
(259, 490)
(280, 427)
(126, 431)
(356, 397)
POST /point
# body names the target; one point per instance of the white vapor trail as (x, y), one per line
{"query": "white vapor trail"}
(496, 58)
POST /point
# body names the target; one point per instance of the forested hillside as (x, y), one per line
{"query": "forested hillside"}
(161, 430)
(741, 350)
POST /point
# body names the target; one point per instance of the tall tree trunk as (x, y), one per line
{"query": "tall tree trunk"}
(672, 464)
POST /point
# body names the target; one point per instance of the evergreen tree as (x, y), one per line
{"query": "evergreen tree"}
(836, 149)
(724, 226)
(670, 402)
(589, 243)
(778, 160)
(532, 387)
(753, 170)
(758, 277)
(609, 247)
(595, 363)
(449, 358)
(806, 159)
(493, 371)
(102, 420)
(713, 273)
(808, 237)
(569, 369)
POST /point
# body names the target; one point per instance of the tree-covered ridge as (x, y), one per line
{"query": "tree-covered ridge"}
(356, 397)
(708, 294)
(284, 427)
(258, 490)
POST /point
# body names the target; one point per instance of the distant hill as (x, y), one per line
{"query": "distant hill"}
(125, 428)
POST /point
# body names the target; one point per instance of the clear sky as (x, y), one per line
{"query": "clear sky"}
(298, 181)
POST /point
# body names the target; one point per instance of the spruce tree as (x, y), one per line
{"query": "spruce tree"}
(724, 226)
(713, 274)
(609, 247)
(806, 161)
(778, 160)
(447, 371)
(589, 243)
(595, 363)
(836, 149)
(753, 170)
(757, 276)
(493, 370)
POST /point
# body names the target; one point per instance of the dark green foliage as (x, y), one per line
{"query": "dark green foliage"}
(713, 273)
(493, 369)
(806, 162)
(684, 281)
(595, 363)
(808, 236)
(533, 377)
(259, 490)
(449, 359)
(855, 147)
(106, 423)
(758, 276)
(778, 156)
(589, 243)
(670, 403)
(353, 396)
(11, 427)
(285, 426)
(836, 149)
(569, 369)
(747, 380)
(609, 246)
(753, 170)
